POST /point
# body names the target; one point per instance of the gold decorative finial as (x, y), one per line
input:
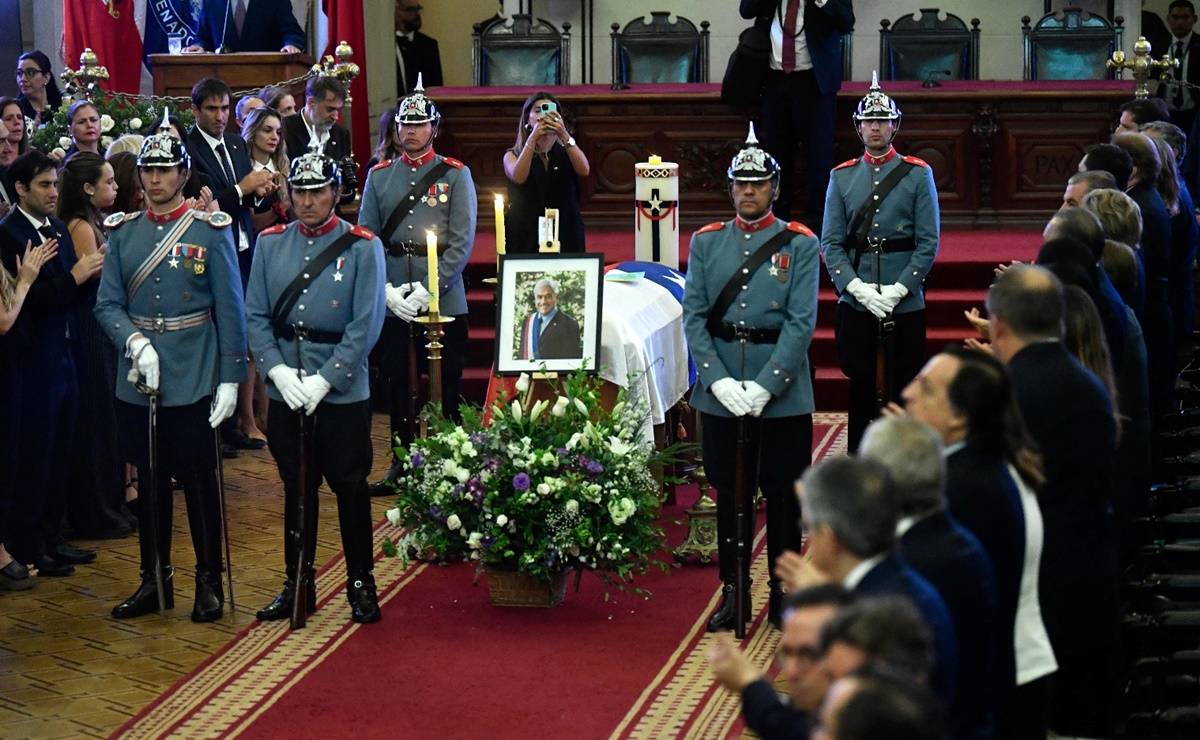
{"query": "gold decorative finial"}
(343, 69)
(1143, 67)
(84, 80)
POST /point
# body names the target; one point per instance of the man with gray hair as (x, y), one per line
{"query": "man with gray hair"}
(1082, 183)
(549, 333)
(1070, 419)
(947, 555)
(850, 511)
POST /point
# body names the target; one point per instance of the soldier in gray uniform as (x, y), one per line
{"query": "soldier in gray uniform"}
(313, 338)
(880, 238)
(170, 299)
(749, 310)
(403, 198)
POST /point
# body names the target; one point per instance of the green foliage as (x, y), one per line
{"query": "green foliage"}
(544, 488)
(120, 114)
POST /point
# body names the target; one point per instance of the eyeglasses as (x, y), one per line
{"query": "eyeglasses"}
(29, 72)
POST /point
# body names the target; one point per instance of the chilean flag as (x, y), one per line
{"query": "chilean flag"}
(346, 24)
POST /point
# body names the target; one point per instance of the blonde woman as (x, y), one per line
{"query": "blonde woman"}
(266, 145)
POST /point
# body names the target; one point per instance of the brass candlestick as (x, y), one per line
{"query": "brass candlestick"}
(433, 332)
(1143, 67)
(84, 80)
(701, 538)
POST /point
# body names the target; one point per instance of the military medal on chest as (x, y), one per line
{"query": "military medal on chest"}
(337, 271)
(779, 266)
(437, 194)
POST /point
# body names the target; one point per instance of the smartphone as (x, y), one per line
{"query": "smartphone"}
(546, 107)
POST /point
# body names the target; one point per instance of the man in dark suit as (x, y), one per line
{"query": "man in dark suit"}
(1184, 47)
(238, 189)
(1070, 419)
(248, 25)
(850, 510)
(315, 126)
(50, 390)
(801, 92)
(549, 334)
(416, 53)
(949, 556)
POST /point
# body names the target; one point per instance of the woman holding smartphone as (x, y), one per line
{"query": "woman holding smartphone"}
(543, 170)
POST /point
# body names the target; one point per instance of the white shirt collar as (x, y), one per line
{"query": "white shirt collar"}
(403, 35)
(860, 571)
(212, 143)
(1186, 41)
(950, 449)
(36, 224)
(269, 166)
(906, 523)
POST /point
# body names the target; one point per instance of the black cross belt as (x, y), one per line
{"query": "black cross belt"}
(316, 336)
(731, 333)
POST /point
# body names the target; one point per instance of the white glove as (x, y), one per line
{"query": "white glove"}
(757, 396)
(316, 387)
(419, 296)
(396, 303)
(287, 382)
(224, 401)
(861, 291)
(145, 359)
(893, 294)
(878, 306)
(731, 395)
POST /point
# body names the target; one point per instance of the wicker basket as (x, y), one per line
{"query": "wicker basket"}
(509, 588)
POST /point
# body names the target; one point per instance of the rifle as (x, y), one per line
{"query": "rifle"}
(740, 505)
(152, 499)
(224, 517)
(883, 347)
(299, 615)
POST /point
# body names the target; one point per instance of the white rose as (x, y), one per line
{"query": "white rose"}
(501, 520)
(474, 540)
(107, 123)
(393, 516)
(64, 142)
(58, 152)
(449, 469)
(543, 489)
(135, 124)
(453, 522)
(468, 450)
(523, 383)
(620, 510)
(106, 142)
(572, 506)
(549, 458)
(463, 475)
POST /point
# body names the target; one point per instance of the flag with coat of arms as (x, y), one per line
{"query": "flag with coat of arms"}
(108, 28)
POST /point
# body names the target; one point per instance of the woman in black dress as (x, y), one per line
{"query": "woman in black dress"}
(543, 171)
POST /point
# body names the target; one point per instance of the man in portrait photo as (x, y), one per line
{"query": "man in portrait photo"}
(549, 333)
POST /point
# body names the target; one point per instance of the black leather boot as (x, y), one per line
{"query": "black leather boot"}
(384, 487)
(281, 607)
(360, 591)
(725, 616)
(209, 606)
(775, 605)
(145, 599)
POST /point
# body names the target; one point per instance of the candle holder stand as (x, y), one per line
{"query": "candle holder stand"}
(433, 323)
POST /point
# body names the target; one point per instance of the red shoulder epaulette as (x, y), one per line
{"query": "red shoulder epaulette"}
(914, 160)
(799, 228)
(276, 229)
(384, 163)
(453, 162)
(711, 227)
(847, 163)
(362, 232)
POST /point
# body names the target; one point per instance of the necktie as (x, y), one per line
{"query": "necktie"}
(46, 232)
(239, 16)
(789, 36)
(226, 165)
(1178, 100)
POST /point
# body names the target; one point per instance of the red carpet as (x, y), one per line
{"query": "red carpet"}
(444, 662)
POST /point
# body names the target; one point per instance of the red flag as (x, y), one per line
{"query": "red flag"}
(346, 24)
(108, 28)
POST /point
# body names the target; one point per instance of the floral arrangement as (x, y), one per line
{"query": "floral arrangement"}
(119, 115)
(544, 488)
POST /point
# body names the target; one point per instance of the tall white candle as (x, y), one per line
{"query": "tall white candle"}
(434, 287)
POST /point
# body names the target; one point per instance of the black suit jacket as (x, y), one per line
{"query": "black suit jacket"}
(770, 718)
(983, 497)
(558, 341)
(204, 160)
(48, 313)
(950, 558)
(296, 132)
(894, 577)
(823, 29)
(1070, 419)
(420, 55)
(270, 26)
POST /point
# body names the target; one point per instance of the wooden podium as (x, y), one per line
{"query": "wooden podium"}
(174, 74)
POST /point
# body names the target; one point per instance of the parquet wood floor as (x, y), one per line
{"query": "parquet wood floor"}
(68, 669)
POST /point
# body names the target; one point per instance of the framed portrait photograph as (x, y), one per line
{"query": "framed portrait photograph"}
(548, 313)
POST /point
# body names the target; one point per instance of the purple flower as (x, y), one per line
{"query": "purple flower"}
(521, 482)
(492, 464)
(417, 460)
(487, 541)
(588, 464)
(456, 492)
(478, 438)
(436, 513)
(563, 451)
